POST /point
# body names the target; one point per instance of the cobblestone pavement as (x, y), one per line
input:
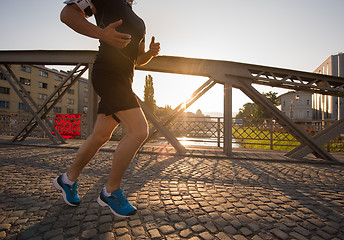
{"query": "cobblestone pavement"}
(177, 198)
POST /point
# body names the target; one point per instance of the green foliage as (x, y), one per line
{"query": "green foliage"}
(251, 137)
(251, 112)
(149, 93)
(161, 112)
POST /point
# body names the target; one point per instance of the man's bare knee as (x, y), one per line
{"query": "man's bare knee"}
(100, 139)
(140, 135)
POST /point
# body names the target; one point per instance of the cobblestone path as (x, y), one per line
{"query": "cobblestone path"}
(176, 197)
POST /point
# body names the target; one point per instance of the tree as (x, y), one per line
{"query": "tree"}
(149, 93)
(272, 96)
(162, 112)
(248, 111)
(199, 113)
(253, 112)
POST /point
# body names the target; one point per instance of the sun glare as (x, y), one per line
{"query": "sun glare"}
(184, 105)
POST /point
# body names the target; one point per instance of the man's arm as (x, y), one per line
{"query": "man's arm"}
(74, 18)
(143, 56)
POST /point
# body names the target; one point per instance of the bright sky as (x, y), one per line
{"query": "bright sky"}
(293, 34)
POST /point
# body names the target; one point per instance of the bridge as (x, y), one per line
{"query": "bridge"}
(229, 74)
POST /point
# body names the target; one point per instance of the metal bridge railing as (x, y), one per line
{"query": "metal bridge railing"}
(206, 131)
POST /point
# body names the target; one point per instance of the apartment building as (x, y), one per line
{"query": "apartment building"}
(40, 83)
(304, 106)
(82, 96)
(297, 105)
(330, 107)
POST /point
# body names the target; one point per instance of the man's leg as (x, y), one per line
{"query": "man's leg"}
(112, 195)
(102, 132)
(136, 128)
(67, 182)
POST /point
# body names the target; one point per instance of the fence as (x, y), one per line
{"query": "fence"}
(268, 134)
(257, 133)
(12, 123)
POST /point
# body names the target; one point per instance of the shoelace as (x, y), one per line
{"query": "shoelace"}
(120, 199)
(73, 188)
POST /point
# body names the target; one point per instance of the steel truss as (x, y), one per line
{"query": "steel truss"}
(161, 126)
(316, 83)
(321, 138)
(242, 76)
(229, 74)
(40, 113)
(286, 122)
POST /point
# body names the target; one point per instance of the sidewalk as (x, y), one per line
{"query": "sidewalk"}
(178, 197)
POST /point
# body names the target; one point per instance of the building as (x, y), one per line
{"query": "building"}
(297, 105)
(330, 107)
(40, 83)
(304, 106)
(82, 96)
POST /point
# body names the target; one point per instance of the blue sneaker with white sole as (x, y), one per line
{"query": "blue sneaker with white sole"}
(117, 203)
(69, 192)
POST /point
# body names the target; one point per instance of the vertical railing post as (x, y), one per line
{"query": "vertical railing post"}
(92, 103)
(271, 134)
(227, 146)
(218, 132)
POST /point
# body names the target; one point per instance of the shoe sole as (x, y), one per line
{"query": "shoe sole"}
(104, 204)
(58, 187)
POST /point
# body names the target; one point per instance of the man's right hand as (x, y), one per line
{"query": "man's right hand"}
(114, 38)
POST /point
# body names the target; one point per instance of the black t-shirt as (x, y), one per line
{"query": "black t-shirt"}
(110, 11)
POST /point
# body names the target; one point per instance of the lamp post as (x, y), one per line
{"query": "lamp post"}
(291, 114)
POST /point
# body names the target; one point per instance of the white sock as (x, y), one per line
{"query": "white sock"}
(106, 193)
(66, 180)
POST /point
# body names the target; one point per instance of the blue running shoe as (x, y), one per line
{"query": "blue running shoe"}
(69, 192)
(117, 203)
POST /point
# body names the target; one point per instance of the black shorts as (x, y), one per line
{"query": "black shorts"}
(113, 83)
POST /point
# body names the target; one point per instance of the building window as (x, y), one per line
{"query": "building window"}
(42, 73)
(86, 100)
(22, 106)
(70, 101)
(4, 104)
(42, 96)
(86, 89)
(4, 90)
(300, 114)
(25, 81)
(85, 109)
(70, 111)
(308, 102)
(327, 69)
(57, 110)
(308, 114)
(58, 78)
(25, 68)
(71, 91)
(43, 85)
